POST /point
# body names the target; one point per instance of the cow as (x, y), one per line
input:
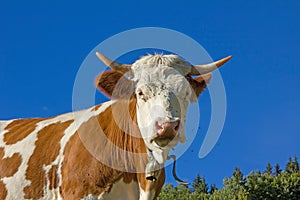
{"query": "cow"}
(114, 150)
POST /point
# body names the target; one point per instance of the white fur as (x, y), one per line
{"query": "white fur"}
(171, 60)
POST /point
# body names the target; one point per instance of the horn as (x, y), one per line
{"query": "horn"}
(206, 68)
(123, 68)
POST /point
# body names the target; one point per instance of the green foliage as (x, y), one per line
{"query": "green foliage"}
(272, 184)
(277, 169)
(199, 185)
(292, 166)
(269, 169)
(213, 188)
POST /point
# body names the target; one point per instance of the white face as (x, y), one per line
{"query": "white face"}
(163, 94)
(163, 88)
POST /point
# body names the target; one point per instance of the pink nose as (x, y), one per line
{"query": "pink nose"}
(166, 131)
(162, 127)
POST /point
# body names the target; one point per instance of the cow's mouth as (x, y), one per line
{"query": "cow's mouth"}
(164, 140)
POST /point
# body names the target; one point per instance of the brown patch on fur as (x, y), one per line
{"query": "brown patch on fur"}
(3, 191)
(19, 129)
(53, 177)
(46, 150)
(199, 83)
(114, 85)
(97, 107)
(82, 173)
(9, 166)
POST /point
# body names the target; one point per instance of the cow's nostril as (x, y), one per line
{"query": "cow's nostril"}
(177, 126)
(159, 126)
(163, 126)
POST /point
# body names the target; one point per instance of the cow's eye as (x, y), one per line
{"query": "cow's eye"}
(140, 93)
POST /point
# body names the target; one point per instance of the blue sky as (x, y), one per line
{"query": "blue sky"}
(43, 43)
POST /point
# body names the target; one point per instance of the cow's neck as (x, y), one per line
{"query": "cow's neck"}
(113, 137)
(119, 124)
(101, 155)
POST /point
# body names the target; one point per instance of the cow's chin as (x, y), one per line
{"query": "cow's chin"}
(164, 143)
(160, 148)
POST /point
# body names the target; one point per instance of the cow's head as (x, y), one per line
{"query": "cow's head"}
(163, 86)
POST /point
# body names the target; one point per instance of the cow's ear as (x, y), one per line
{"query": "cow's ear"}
(114, 85)
(199, 83)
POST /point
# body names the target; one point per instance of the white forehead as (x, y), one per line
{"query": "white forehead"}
(169, 70)
(165, 60)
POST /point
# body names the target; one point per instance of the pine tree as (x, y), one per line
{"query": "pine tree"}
(289, 166)
(199, 185)
(296, 165)
(268, 169)
(292, 166)
(277, 169)
(213, 188)
(237, 176)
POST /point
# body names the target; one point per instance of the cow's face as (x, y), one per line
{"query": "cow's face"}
(163, 88)
(162, 94)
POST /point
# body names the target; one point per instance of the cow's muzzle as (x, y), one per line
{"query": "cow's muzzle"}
(166, 131)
